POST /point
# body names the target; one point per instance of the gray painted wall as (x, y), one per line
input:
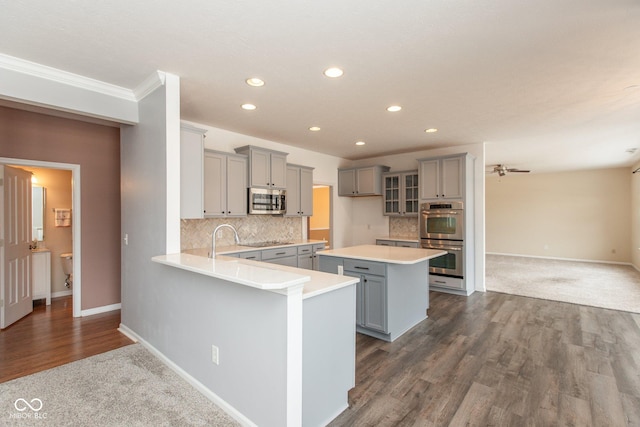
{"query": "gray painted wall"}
(181, 314)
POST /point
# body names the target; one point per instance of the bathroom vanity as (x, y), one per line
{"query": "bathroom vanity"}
(41, 273)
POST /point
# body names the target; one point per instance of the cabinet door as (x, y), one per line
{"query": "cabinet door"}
(359, 298)
(346, 182)
(191, 174)
(306, 192)
(236, 186)
(260, 169)
(293, 191)
(366, 181)
(215, 184)
(391, 194)
(429, 179)
(452, 178)
(410, 200)
(278, 171)
(305, 261)
(375, 302)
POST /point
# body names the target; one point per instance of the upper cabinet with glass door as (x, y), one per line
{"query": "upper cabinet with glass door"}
(400, 193)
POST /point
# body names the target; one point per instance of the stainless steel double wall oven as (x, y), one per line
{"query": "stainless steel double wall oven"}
(442, 227)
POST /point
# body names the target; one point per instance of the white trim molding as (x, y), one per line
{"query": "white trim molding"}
(103, 309)
(564, 259)
(151, 83)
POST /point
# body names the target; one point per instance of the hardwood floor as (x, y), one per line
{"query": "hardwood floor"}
(51, 337)
(501, 360)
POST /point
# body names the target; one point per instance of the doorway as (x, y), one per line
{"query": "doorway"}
(319, 224)
(75, 228)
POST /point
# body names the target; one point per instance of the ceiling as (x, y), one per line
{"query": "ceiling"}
(547, 84)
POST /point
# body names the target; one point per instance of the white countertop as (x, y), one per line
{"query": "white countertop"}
(412, 239)
(388, 254)
(257, 274)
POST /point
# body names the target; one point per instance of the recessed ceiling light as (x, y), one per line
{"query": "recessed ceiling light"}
(360, 143)
(431, 130)
(248, 107)
(333, 72)
(255, 82)
(394, 108)
(314, 128)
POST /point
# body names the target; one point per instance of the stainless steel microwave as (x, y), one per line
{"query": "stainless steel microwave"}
(267, 201)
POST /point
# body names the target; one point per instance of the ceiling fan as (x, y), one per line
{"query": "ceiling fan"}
(502, 170)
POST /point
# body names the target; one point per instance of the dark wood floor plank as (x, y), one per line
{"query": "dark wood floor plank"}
(501, 360)
(51, 336)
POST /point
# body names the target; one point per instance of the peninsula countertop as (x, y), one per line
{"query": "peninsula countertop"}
(388, 254)
(257, 274)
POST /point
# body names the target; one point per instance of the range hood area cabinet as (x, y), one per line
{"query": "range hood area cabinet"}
(400, 194)
(225, 184)
(364, 181)
(267, 168)
(444, 178)
(191, 172)
(299, 197)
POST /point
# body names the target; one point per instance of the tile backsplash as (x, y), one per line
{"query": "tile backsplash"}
(404, 227)
(196, 233)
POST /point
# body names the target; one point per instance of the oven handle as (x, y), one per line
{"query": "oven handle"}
(440, 213)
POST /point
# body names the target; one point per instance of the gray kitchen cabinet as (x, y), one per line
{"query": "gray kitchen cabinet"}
(191, 171)
(267, 168)
(364, 181)
(282, 256)
(299, 198)
(442, 178)
(400, 193)
(384, 242)
(372, 294)
(317, 247)
(305, 257)
(225, 189)
(252, 255)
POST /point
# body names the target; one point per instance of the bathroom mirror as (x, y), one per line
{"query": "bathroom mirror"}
(37, 212)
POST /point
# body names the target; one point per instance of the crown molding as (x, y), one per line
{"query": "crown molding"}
(151, 83)
(64, 77)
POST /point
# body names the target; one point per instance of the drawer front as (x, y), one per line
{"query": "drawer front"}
(318, 247)
(365, 267)
(446, 282)
(304, 250)
(381, 242)
(279, 252)
(254, 255)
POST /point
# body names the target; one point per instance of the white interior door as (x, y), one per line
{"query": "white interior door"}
(15, 238)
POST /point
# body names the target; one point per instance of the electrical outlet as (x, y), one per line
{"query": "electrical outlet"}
(215, 355)
(126, 239)
(340, 270)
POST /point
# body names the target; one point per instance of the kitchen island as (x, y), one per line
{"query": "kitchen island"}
(270, 344)
(393, 287)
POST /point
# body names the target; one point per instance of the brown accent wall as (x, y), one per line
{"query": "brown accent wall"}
(96, 148)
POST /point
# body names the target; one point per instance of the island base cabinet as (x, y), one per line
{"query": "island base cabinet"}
(388, 303)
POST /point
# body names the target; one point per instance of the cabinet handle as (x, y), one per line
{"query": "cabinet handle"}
(361, 268)
(251, 257)
(280, 253)
(365, 280)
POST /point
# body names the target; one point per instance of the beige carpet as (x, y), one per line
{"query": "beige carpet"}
(124, 387)
(611, 286)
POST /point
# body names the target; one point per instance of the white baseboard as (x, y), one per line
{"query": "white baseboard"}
(98, 310)
(61, 293)
(563, 259)
(233, 412)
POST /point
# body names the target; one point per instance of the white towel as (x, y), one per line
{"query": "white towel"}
(63, 217)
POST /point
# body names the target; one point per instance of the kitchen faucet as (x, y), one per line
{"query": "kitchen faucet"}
(212, 254)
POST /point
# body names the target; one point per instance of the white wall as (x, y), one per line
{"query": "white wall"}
(325, 172)
(583, 215)
(362, 207)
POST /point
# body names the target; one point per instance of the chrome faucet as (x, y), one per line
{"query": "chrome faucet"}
(212, 254)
